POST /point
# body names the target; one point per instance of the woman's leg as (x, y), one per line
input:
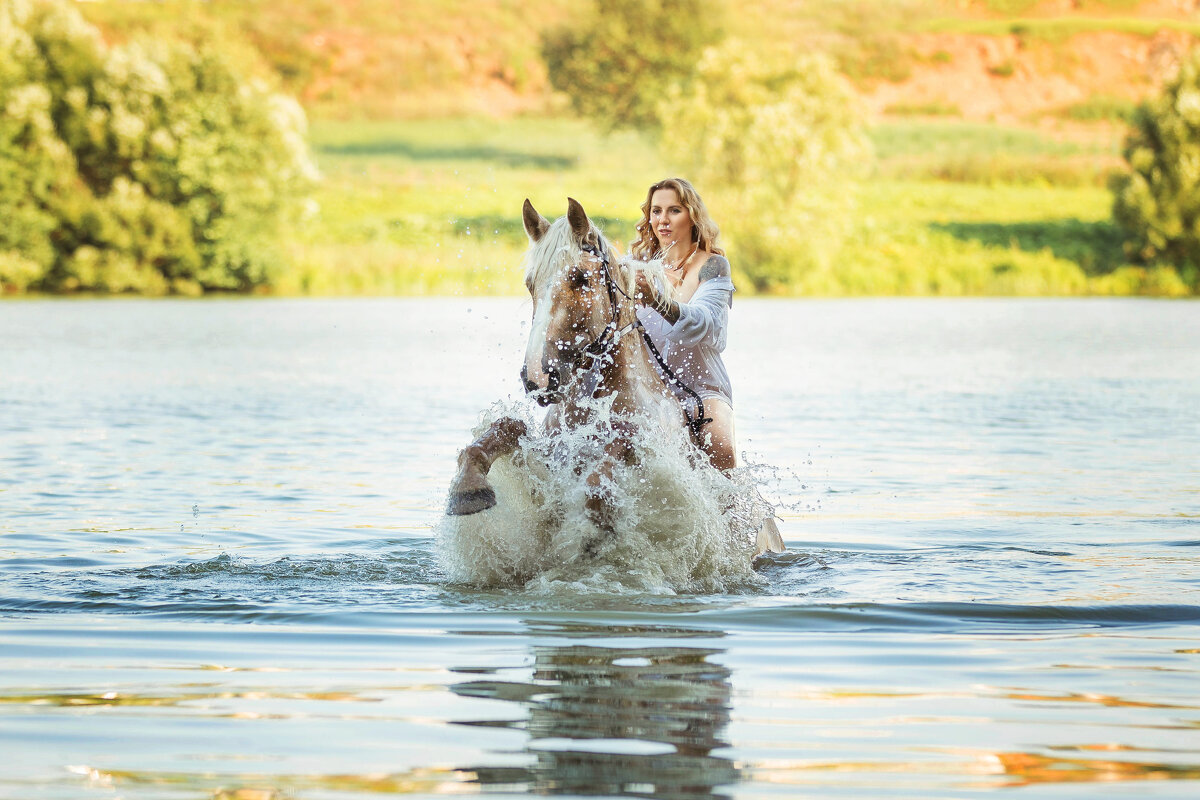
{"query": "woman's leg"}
(718, 441)
(717, 438)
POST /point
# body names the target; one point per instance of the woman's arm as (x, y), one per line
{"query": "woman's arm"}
(672, 311)
(705, 316)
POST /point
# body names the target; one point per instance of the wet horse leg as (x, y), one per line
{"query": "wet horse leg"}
(600, 502)
(470, 491)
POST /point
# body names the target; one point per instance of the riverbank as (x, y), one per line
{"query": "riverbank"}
(422, 207)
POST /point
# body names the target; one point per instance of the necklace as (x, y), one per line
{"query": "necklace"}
(680, 266)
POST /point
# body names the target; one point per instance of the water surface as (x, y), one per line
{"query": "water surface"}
(219, 575)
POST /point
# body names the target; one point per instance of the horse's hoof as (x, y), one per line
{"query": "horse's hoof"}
(462, 504)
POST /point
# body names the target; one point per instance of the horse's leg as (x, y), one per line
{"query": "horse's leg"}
(600, 502)
(470, 491)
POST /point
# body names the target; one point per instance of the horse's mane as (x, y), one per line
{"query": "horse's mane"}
(557, 248)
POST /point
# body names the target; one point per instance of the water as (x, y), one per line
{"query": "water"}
(219, 574)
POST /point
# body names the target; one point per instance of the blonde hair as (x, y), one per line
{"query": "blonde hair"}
(704, 230)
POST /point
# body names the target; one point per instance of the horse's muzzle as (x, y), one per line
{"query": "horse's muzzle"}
(546, 396)
(530, 386)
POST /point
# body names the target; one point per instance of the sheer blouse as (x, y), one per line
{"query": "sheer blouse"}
(692, 346)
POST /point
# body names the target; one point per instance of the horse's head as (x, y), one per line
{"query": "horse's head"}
(567, 277)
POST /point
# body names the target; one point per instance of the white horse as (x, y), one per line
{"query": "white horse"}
(586, 356)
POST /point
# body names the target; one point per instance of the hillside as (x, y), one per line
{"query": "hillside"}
(1003, 60)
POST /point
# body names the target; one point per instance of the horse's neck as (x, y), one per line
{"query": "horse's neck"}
(626, 373)
(633, 377)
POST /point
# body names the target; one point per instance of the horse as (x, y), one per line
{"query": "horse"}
(585, 355)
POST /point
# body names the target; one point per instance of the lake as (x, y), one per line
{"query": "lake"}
(221, 575)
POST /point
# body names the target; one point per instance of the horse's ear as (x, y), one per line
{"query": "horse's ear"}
(535, 224)
(578, 219)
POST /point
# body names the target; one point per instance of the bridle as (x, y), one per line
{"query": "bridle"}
(601, 348)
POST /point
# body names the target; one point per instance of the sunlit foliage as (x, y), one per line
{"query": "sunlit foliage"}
(1158, 202)
(151, 167)
(777, 142)
(615, 60)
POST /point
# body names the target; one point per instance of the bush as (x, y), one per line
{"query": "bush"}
(614, 62)
(151, 167)
(1157, 203)
(776, 142)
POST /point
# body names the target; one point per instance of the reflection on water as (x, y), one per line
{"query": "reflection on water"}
(616, 721)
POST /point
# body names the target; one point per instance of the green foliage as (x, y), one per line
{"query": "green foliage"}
(775, 142)
(1005, 69)
(149, 167)
(614, 61)
(1157, 202)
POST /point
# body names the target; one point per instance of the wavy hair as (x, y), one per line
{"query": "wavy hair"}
(704, 230)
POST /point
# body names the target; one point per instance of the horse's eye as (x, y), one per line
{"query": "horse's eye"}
(579, 279)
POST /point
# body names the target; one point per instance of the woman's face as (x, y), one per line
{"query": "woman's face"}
(670, 221)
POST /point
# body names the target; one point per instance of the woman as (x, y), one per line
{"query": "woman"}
(687, 320)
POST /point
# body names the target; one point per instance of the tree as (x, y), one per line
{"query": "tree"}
(1157, 204)
(614, 63)
(777, 142)
(151, 167)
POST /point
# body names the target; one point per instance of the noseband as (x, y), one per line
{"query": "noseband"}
(602, 347)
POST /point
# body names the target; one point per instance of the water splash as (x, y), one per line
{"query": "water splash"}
(680, 525)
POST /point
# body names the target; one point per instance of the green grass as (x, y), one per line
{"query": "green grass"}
(1100, 108)
(980, 140)
(970, 152)
(423, 207)
(433, 207)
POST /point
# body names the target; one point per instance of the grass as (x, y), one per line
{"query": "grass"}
(1100, 108)
(967, 152)
(1058, 29)
(433, 207)
(428, 206)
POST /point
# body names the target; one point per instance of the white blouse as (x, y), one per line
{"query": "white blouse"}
(692, 346)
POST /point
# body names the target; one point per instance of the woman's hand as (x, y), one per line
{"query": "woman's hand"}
(647, 293)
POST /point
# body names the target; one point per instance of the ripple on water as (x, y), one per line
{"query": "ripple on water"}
(218, 575)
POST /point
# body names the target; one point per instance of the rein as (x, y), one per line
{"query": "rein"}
(606, 342)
